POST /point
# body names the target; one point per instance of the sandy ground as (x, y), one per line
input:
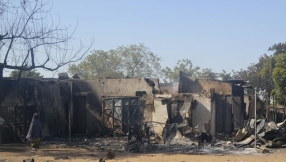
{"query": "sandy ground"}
(52, 153)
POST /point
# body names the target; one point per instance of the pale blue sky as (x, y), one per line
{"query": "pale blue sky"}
(217, 34)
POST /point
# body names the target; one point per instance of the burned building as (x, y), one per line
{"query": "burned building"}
(221, 106)
(97, 107)
(98, 102)
(25, 97)
(74, 106)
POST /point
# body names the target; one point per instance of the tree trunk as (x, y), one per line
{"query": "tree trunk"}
(132, 72)
(1, 92)
(1, 86)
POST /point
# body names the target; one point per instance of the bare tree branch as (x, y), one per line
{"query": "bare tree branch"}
(27, 29)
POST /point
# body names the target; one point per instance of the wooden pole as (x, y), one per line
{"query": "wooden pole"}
(255, 116)
(283, 113)
(70, 110)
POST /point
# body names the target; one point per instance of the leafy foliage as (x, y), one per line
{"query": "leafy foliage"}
(26, 74)
(139, 61)
(131, 61)
(208, 74)
(258, 74)
(278, 48)
(98, 65)
(184, 65)
(268, 74)
(279, 78)
(225, 76)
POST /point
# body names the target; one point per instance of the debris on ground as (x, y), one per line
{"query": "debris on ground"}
(110, 155)
(101, 160)
(29, 160)
(269, 134)
(181, 138)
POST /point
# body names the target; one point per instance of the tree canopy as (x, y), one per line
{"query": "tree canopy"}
(124, 61)
(26, 74)
(268, 74)
(184, 65)
(225, 75)
(208, 73)
(279, 78)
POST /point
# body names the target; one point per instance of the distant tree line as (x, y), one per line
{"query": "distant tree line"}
(268, 74)
(137, 61)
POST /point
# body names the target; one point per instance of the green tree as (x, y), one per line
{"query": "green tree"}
(278, 48)
(277, 64)
(139, 61)
(224, 75)
(208, 73)
(265, 66)
(279, 78)
(26, 74)
(99, 64)
(184, 65)
(130, 61)
(258, 74)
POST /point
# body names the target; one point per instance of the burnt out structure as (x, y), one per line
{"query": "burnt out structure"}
(169, 109)
(69, 107)
(110, 103)
(98, 107)
(221, 106)
(25, 97)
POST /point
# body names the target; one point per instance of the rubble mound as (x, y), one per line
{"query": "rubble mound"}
(268, 133)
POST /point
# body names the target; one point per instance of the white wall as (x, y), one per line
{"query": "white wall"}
(160, 114)
(202, 113)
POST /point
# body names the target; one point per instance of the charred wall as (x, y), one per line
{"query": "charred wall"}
(189, 84)
(25, 97)
(167, 88)
(52, 109)
(99, 88)
(228, 101)
(16, 109)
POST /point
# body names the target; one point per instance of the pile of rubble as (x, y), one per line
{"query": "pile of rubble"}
(137, 146)
(180, 138)
(268, 133)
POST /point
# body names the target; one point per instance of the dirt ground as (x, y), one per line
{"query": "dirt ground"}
(53, 153)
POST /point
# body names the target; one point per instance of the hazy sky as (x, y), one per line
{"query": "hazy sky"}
(217, 34)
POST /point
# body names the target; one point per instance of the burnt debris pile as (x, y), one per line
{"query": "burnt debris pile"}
(268, 134)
